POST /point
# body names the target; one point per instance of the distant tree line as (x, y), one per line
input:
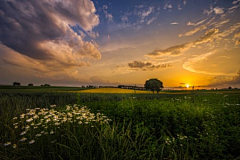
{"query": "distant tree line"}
(16, 84)
(131, 87)
(45, 85)
(30, 84)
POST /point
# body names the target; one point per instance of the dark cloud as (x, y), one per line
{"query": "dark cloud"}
(28, 24)
(139, 64)
(146, 65)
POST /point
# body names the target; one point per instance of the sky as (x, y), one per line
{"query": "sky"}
(113, 42)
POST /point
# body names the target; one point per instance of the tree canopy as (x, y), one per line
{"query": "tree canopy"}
(153, 84)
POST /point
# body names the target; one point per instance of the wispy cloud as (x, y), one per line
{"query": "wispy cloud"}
(208, 12)
(145, 13)
(207, 37)
(218, 10)
(235, 2)
(108, 16)
(179, 7)
(179, 49)
(226, 81)
(233, 8)
(167, 6)
(184, 2)
(195, 30)
(197, 23)
(202, 27)
(151, 20)
(228, 31)
(174, 23)
(220, 23)
(191, 62)
(174, 50)
(237, 37)
(237, 42)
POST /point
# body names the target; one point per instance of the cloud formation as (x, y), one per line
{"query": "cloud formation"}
(190, 63)
(174, 50)
(179, 49)
(207, 37)
(228, 31)
(151, 20)
(236, 1)
(174, 23)
(147, 65)
(236, 79)
(41, 29)
(237, 36)
(229, 81)
(167, 6)
(217, 10)
(196, 24)
(195, 30)
(108, 16)
(145, 13)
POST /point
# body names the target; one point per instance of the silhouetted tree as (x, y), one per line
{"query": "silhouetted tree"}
(46, 85)
(30, 84)
(153, 84)
(16, 84)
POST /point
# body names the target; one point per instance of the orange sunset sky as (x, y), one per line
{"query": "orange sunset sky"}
(84, 42)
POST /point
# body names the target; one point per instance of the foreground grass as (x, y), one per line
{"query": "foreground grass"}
(142, 126)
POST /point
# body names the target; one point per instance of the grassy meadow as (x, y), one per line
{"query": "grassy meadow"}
(71, 123)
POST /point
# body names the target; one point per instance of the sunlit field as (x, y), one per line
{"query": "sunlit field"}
(113, 90)
(119, 125)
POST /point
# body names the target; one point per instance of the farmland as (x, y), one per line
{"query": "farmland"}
(69, 123)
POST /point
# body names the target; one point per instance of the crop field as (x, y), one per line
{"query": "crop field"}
(112, 90)
(69, 123)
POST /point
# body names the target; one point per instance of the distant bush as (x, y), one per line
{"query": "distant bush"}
(16, 84)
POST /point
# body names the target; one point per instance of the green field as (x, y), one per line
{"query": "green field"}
(71, 123)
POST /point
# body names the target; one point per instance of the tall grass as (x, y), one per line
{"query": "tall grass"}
(183, 126)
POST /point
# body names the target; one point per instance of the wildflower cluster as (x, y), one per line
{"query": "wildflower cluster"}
(179, 140)
(37, 122)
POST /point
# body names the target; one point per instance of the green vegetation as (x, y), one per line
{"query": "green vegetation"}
(37, 124)
(31, 89)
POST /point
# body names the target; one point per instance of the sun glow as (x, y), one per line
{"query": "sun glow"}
(187, 85)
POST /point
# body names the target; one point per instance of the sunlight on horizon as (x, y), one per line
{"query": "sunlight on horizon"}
(117, 42)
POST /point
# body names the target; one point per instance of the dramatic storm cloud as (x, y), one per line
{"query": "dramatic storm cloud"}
(35, 28)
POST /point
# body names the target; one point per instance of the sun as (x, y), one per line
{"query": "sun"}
(187, 85)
